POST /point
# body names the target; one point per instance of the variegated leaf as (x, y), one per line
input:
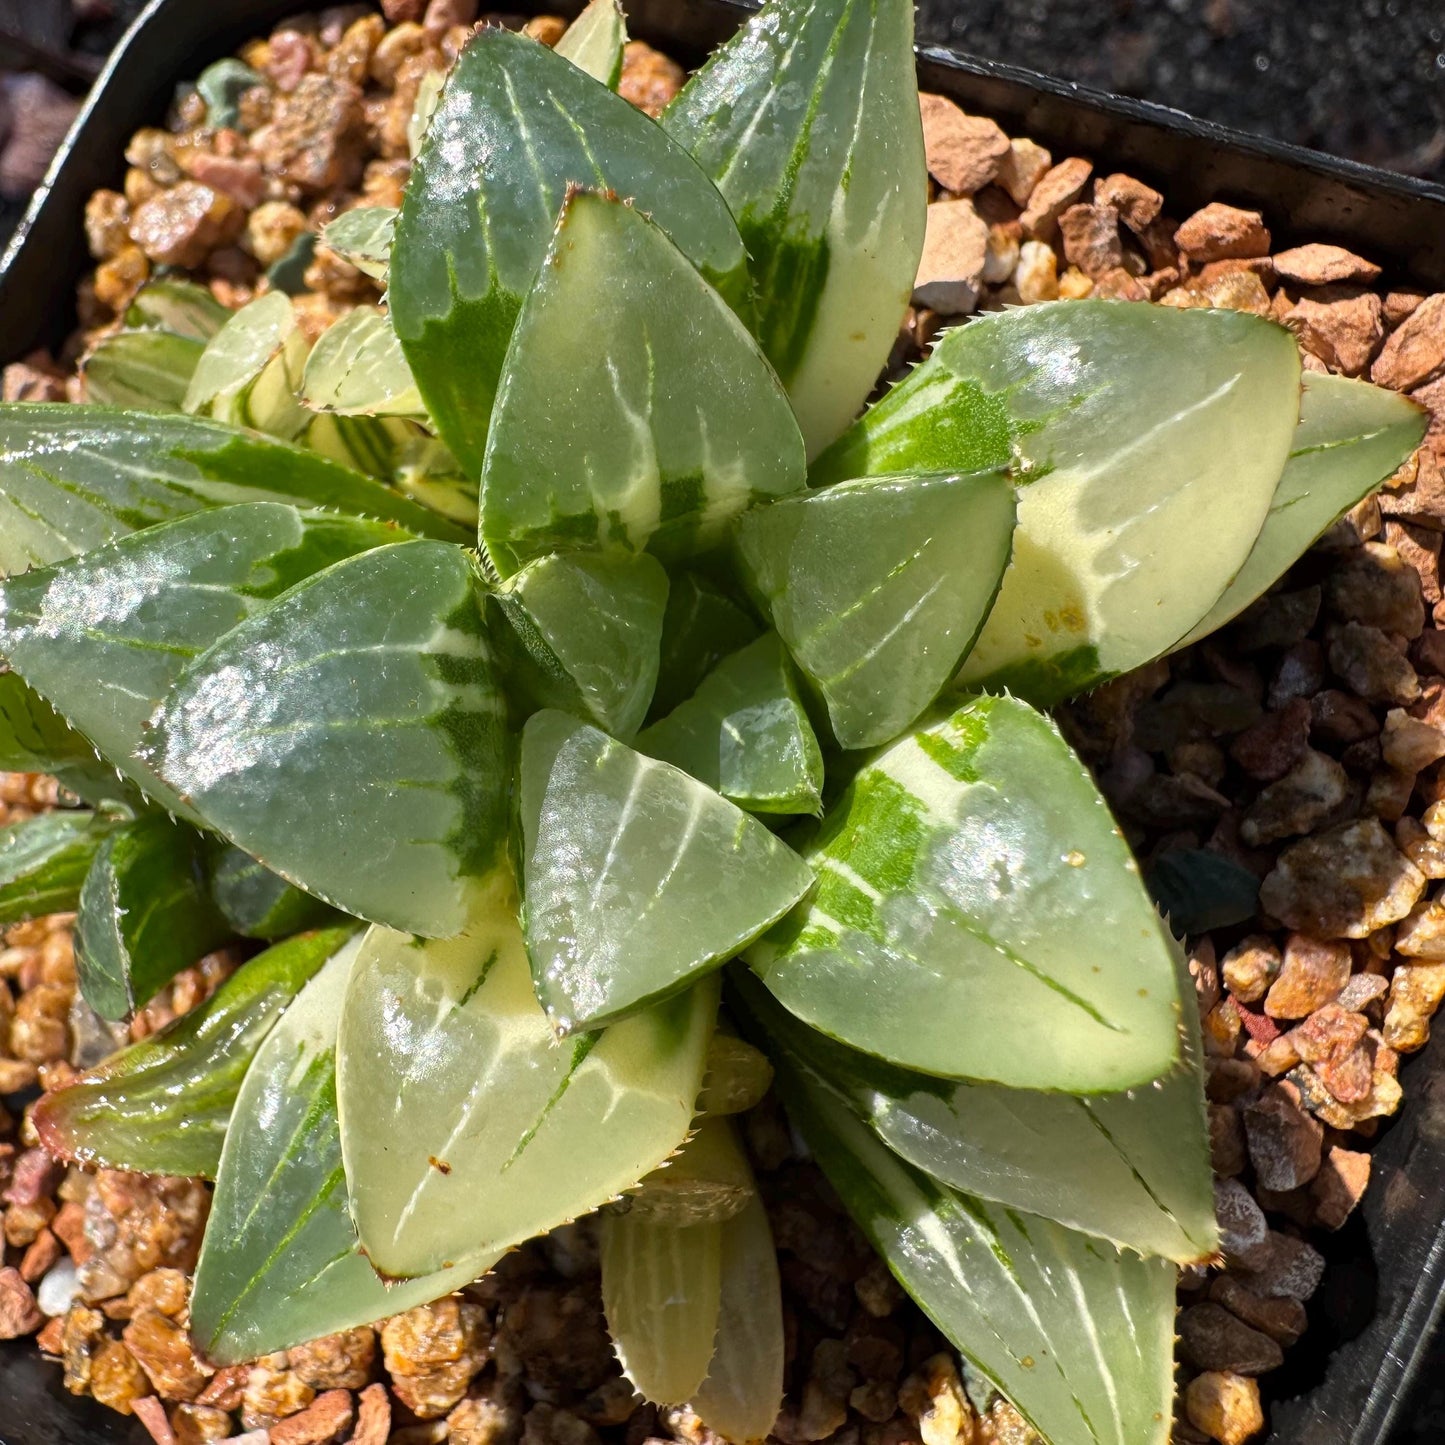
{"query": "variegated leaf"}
(1077, 1335)
(75, 477)
(594, 41)
(1350, 437)
(1133, 1168)
(745, 733)
(105, 635)
(161, 1106)
(864, 584)
(971, 873)
(363, 236)
(655, 435)
(44, 860)
(148, 370)
(1146, 443)
(357, 368)
(661, 1290)
(516, 126)
(352, 738)
(743, 1392)
(583, 630)
(637, 878)
(280, 1262)
(808, 122)
(466, 1127)
(144, 915)
(251, 370)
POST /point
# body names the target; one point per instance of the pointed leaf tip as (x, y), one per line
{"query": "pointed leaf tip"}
(680, 422)
(972, 872)
(638, 877)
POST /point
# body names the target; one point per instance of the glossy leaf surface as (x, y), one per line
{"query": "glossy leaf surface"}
(515, 127)
(661, 1291)
(1146, 443)
(658, 432)
(148, 370)
(1078, 1336)
(357, 368)
(74, 477)
(280, 1263)
(145, 914)
(105, 635)
(879, 587)
(351, 737)
(746, 734)
(44, 860)
(587, 628)
(700, 627)
(808, 122)
(1132, 1168)
(972, 872)
(258, 903)
(162, 1105)
(594, 40)
(743, 1391)
(1350, 437)
(364, 235)
(467, 1127)
(637, 877)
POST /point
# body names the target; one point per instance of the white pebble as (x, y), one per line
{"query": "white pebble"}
(58, 1290)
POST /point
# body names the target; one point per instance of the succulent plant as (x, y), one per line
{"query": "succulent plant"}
(557, 652)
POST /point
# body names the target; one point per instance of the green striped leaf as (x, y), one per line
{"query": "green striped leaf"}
(162, 1105)
(972, 873)
(256, 902)
(357, 368)
(1350, 437)
(251, 369)
(363, 236)
(351, 737)
(180, 307)
(1078, 1336)
(1132, 1168)
(637, 877)
(743, 1392)
(145, 914)
(105, 635)
(280, 1262)
(661, 1292)
(147, 370)
(75, 477)
(700, 627)
(808, 122)
(517, 124)
(1146, 443)
(583, 634)
(34, 738)
(680, 421)
(746, 734)
(864, 585)
(466, 1127)
(44, 860)
(594, 41)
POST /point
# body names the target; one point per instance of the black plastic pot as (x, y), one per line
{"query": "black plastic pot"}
(1370, 1371)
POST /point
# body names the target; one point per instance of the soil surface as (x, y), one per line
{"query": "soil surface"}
(1359, 78)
